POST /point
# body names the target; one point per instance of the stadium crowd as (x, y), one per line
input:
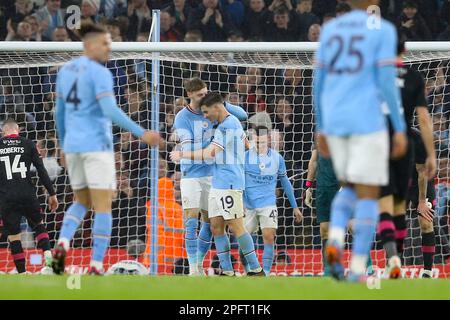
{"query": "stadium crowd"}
(277, 98)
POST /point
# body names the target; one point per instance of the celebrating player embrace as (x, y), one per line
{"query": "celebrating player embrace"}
(225, 205)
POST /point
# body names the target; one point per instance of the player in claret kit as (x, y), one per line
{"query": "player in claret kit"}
(355, 72)
(225, 207)
(263, 168)
(18, 193)
(85, 109)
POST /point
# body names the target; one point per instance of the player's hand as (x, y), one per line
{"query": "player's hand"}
(425, 210)
(298, 215)
(308, 197)
(151, 138)
(430, 167)
(408, 24)
(175, 156)
(399, 145)
(53, 203)
(322, 145)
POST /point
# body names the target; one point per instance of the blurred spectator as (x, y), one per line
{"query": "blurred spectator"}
(139, 16)
(113, 27)
(211, 20)
(281, 30)
(235, 10)
(168, 32)
(21, 9)
(305, 18)
(278, 4)
(50, 17)
(47, 149)
(180, 10)
(411, 24)
(193, 36)
(313, 33)
(60, 34)
(113, 8)
(89, 10)
(23, 32)
(36, 29)
(342, 8)
(256, 20)
(235, 36)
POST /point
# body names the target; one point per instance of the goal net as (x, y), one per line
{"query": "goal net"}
(275, 88)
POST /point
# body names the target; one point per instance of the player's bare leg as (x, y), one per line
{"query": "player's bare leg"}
(17, 253)
(72, 219)
(247, 246)
(190, 238)
(101, 202)
(222, 245)
(386, 230)
(428, 245)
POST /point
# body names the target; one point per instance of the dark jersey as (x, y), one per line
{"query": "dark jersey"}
(413, 92)
(17, 154)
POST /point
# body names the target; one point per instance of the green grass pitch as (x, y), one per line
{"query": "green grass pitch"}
(164, 287)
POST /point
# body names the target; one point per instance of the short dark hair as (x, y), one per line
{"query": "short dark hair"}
(281, 10)
(261, 131)
(343, 7)
(409, 4)
(88, 28)
(194, 84)
(211, 99)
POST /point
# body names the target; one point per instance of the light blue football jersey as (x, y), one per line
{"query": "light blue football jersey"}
(261, 176)
(352, 48)
(80, 83)
(194, 132)
(229, 164)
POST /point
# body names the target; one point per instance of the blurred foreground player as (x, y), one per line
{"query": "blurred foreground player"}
(18, 194)
(85, 109)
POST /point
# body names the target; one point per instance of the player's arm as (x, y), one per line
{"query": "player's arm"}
(426, 129)
(105, 96)
(207, 153)
(311, 176)
(288, 189)
(386, 73)
(422, 182)
(236, 111)
(59, 113)
(37, 162)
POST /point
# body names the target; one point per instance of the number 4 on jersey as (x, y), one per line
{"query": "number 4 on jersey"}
(72, 97)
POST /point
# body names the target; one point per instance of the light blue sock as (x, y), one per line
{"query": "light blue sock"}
(190, 238)
(244, 261)
(101, 234)
(268, 254)
(72, 219)
(342, 209)
(223, 252)
(203, 241)
(366, 219)
(248, 249)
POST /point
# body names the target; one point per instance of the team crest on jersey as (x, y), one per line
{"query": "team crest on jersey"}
(205, 124)
(262, 166)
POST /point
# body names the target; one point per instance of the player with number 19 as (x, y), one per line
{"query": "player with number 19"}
(264, 166)
(85, 109)
(225, 205)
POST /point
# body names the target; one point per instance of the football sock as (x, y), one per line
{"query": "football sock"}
(101, 233)
(341, 212)
(74, 215)
(223, 252)
(386, 230)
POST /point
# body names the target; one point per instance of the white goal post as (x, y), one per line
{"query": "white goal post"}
(271, 81)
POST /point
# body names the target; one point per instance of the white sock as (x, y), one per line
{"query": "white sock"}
(97, 264)
(65, 243)
(358, 264)
(336, 235)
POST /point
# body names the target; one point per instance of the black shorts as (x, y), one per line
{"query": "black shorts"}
(413, 194)
(400, 175)
(12, 214)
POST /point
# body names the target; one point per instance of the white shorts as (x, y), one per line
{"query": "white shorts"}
(361, 159)
(226, 203)
(93, 170)
(195, 192)
(265, 218)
